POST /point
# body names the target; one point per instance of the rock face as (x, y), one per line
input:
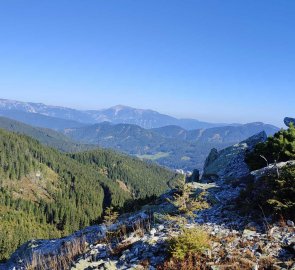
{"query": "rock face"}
(229, 163)
(288, 121)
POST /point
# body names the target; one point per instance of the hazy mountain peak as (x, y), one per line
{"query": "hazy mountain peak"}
(120, 107)
(144, 118)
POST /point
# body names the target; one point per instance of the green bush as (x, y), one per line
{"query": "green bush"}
(280, 147)
(110, 216)
(190, 241)
(282, 195)
(186, 201)
(274, 192)
(275, 195)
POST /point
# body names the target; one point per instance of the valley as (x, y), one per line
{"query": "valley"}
(57, 180)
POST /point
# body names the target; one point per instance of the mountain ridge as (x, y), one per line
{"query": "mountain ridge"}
(146, 118)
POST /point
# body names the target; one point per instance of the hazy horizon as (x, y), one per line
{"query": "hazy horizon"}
(161, 112)
(217, 61)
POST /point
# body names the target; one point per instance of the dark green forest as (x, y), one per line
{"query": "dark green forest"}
(45, 193)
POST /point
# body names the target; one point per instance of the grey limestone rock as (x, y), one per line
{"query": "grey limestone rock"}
(229, 163)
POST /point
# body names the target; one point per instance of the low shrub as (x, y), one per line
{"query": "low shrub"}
(274, 194)
(189, 241)
(280, 147)
(110, 216)
(187, 202)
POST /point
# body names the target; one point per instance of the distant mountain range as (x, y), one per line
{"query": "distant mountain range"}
(117, 114)
(172, 145)
(226, 134)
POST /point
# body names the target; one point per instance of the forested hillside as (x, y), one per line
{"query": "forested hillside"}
(45, 136)
(143, 179)
(45, 193)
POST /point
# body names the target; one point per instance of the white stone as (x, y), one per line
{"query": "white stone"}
(153, 231)
(255, 267)
(290, 223)
(161, 227)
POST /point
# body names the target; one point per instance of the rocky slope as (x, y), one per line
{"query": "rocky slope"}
(139, 240)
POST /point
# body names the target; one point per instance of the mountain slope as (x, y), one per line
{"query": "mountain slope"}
(40, 120)
(46, 110)
(61, 193)
(116, 114)
(125, 137)
(134, 140)
(45, 136)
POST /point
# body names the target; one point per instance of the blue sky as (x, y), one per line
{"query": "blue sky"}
(220, 61)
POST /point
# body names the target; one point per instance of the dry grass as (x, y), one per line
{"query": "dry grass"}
(123, 186)
(118, 241)
(190, 262)
(60, 261)
(201, 262)
(33, 187)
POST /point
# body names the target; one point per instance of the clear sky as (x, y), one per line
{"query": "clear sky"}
(221, 61)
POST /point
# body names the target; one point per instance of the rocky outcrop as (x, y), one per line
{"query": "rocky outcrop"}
(38, 253)
(271, 169)
(229, 163)
(194, 177)
(289, 120)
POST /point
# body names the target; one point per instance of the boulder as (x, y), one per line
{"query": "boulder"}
(229, 163)
(271, 169)
(195, 177)
(289, 120)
